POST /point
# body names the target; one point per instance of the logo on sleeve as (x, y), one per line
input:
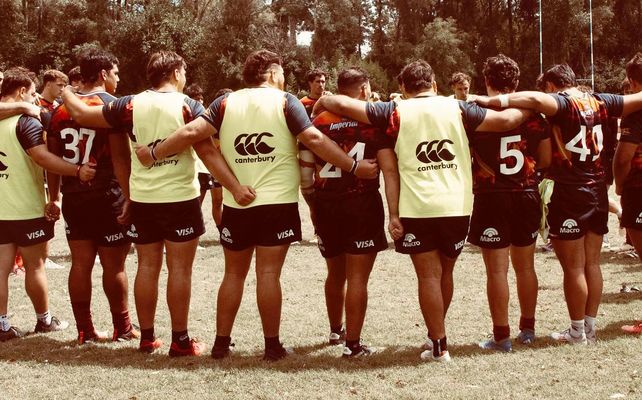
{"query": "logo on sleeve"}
(436, 154)
(253, 144)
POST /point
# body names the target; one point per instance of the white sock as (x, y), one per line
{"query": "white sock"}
(4, 322)
(45, 317)
(577, 328)
(589, 323)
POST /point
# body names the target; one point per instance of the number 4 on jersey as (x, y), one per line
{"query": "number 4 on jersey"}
(330, 171)
(578, 143)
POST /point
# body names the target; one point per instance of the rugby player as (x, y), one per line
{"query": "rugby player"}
(506, 208)
(578, 208)
(53, 82)
(627, 169)
(460, 85)
(348, 213)
(316, 83)
(262, 152)
(430, 209)
(91, 211)
(165, 211)
(26, 224)
(75, 77)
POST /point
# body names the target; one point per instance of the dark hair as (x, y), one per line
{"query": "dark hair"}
(162, 65)
(16, 78)
(315, 73)
(560, 75)
(193, 91)
(221, 92)
(539, 83)
(52, 75)
(626, 86)
(74, 74)
(459, 77)
(350, 78)
(93, 61)
(501, 73)
(257, 65)
(634, 68)
(416, 76)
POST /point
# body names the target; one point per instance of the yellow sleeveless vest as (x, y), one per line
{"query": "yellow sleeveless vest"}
(22, 183)
(434, 159)
(259, 148)
(156, 116)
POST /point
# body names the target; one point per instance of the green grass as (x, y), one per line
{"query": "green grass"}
(53, 366)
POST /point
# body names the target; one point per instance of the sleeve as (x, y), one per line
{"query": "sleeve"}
(614, 103)
(631, 128)
(379, 113)
(193, 110)
(562, 106)
(119, 113)
(295, 115)
(214, 113)
(472, 116)
(30, 132)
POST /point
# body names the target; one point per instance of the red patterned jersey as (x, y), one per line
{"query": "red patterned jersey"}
(631, 128)
(506, 161)
(308, 103)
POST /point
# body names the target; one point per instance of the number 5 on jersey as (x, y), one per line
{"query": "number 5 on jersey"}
(330, 171)
(73, 145)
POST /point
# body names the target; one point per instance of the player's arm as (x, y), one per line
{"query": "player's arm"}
(622, 163)
(83, 114)
(54, 145)
(306, 167)
(342, 105)
(216, 164)
(41, 156)
(388, 162)
(505, 120)
(22, 107)
(121, 160)
(186, 136)
(631, 103)
(537, 101)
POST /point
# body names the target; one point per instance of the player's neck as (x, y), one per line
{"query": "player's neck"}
(92, 88)
(166, 87)
(47, 96)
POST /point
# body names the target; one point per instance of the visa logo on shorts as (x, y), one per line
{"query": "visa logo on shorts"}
(36, 234)
(285, 234)
(185, 231)
(569, 226)
(225, 235)
(410, 240)
(638, 220)
(490, 235)
(460, 244)
(362, 244)
(534, 234)
(114, 237)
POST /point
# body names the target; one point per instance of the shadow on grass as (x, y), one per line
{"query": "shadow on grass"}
(621, 298)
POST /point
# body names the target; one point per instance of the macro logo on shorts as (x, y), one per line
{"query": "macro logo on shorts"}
(638, 220)
(435, 153)
(569, 226)
(3, 167)
(226, 236)
(410, 240)
(131, 232)
(490, 235)
(254, 148)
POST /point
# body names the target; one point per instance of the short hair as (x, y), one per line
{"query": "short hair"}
(540, 86)
(634, 68)
(315, 73)
(51, 75)
(221, 92)
(350, 78)
(162, 65)
(416, 76)
(74, 74)
(257, 64)
(93, 61)
(501, 73)
(16, 78)
(560, 75)
(193, 91)
(459, 77)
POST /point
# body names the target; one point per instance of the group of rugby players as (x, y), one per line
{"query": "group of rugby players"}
(452, 170)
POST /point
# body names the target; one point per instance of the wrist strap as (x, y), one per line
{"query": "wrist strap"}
(151, 151)
(503, 100)
(78, 171)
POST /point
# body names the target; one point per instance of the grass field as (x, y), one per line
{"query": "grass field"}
(54, 367)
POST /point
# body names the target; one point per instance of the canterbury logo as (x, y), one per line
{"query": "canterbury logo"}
(434, 151)
(2, 166)
(252, 144)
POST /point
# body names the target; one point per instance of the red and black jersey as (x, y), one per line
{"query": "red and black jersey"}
(360, 141)
(631, 132)
(46, 105)
(308, 103)
(505, 162)
(580, 132)
(78, 145)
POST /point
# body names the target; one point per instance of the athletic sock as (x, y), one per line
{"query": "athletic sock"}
(272, 342)
(181, 338)
(589, 323)
(577, 328)
(336, 329)
(222, 341)
(526, 323)
(4, 323)
(82, 314)
(45, 317)
(353, 344)
(147, 334)
(439, 345)
(121, 321)
(501, 332)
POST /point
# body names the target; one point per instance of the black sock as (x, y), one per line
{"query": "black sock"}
(147, 334)
(352, 344)
(501, 332)
(439, 345)
(181, 338)
(526, 323)
(336, 329)
(222, 341)
(272, 342)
